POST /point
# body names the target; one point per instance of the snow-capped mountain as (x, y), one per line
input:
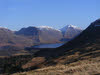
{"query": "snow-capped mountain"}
(84, 47)
(37, 35)
(42, 34)
(46, 34)
(70, 31)
(47, 28)
(49, 35)
(69, 26)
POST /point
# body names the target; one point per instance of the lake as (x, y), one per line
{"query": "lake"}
(48, 45)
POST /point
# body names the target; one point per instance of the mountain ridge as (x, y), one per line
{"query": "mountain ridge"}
(53, 35)
(83, 47)
(28, 37)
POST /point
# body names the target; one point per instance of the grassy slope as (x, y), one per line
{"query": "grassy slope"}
(81, 56)
(86, 67)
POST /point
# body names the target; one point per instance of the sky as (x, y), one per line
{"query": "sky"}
(16, 14)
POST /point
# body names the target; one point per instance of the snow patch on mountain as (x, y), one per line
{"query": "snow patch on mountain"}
(69, 26)
(3, 27)
(47, 28)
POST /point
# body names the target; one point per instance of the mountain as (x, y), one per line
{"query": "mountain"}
(30, 32)
(49, 35)
(42, 34)
(30, 36)
(88, 36)
(79, 56)
(46, 34)
(83, 48)
(9, 40)
(70, 31)
(26, 37)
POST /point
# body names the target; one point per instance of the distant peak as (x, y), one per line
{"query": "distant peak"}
(4, 28)
(72, 26)
(45, 27)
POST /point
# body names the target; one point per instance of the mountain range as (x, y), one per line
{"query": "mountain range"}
(85, 47)
(31, 36)
(45, 34)
(79, 56)
(8, 38)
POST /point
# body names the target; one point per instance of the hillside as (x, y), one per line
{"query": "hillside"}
(77, 54)
(47, 35)
(11, 43)
(38, 34)
(7, 37)
(31, 33)
(76, 68)
(70, 31)
(84, 46)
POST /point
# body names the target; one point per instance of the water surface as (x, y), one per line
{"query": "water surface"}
(49, 45)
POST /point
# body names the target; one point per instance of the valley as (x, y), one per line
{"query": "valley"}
(49, 37)
(80, 56)
(70, 58)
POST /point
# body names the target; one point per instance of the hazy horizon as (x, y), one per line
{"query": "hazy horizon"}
(16, 14)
